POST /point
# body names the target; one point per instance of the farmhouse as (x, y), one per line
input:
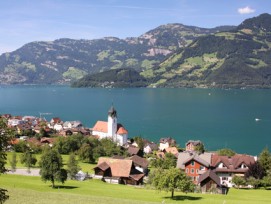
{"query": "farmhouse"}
(118, 171)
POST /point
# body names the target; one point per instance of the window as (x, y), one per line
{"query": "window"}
(187, 170)
(192, 171)
(224, 178)
(201, 168)
(197, 171)
(192, 163)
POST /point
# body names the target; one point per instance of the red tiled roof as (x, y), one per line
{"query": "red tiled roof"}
(100, 126)
(172, 150)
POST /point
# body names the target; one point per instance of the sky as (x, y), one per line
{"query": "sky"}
(24, 21)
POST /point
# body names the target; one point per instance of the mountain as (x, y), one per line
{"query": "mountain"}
(236, 58)
(66, 60)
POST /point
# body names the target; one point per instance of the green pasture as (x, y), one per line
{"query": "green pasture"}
(28, 189)
(85, 167)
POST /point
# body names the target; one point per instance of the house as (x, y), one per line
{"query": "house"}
(172, 150)
(210, 182)
(118, 171)
(192, 144)
(141, 164)
(111, 129)
(72, 124)
(149, 147)
(166, 142)
(227, 167)
(133, 150)
(194, 164)
(15, 122)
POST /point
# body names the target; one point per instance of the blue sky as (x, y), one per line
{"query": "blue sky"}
(24, 21)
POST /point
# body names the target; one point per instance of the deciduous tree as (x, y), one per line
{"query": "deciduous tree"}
(51, 167)
(170, 180)
(226, 152)
(73, 167)
(28, 159)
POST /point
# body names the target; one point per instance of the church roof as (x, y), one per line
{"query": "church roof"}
(102, 126)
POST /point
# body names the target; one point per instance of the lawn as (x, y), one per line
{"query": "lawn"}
(85, 167)
(27, 189)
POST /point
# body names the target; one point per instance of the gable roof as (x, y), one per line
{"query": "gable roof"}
(103, 166)
(119, 167)
(133, 150)
(100, 126)
(232, 163)
(140, 161)
(121, 130)
(209, 174)
(184, 157)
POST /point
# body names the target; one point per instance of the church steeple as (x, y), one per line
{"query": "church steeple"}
(112, 122)
(112, 112)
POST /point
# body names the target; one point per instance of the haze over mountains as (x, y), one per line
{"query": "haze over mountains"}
(172, 55)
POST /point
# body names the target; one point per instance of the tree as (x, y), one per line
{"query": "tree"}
(73, 167)
(255, 170)
(238, 181)
(51, 167)
(5, 135)
(265, 160)
(13, 162)
(139, 141)
(170, 180)
(85, 153)
(226, 152)
(28, 159)
(165, 163)
(200, 148)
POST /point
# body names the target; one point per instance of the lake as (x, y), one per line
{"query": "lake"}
(219, 118)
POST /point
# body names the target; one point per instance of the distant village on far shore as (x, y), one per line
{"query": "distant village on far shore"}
(208, 170)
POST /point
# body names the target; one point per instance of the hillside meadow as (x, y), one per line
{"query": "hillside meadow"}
(30, 189)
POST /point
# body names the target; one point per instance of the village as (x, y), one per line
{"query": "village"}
(207, 170)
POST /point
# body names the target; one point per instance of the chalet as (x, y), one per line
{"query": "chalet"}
(166, 142)
(227, 167)
(141, 164)
(194, 164)
(118, 171)
(210, 182)
(111, 129)
(192, 144)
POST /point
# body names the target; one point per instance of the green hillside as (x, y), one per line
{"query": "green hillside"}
(237, 58)
(66, 60)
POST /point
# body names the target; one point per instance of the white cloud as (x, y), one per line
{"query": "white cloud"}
(246, 10)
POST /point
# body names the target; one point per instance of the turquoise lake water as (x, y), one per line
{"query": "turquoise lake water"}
(219, 118)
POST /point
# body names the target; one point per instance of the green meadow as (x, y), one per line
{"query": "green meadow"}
(30, 189)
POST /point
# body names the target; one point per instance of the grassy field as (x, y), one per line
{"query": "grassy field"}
(85, 167)
(27, 189)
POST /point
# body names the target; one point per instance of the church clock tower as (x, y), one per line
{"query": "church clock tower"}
(112, 122)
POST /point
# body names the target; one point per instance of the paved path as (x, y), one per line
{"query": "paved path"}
(33, 172)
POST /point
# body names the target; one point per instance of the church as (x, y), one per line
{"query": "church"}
(111, 129)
